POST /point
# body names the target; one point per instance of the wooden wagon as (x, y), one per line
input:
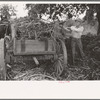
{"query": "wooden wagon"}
(32, 49)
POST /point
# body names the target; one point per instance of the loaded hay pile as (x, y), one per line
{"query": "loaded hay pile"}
(29, 28)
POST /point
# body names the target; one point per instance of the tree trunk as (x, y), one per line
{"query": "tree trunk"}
(98, 16)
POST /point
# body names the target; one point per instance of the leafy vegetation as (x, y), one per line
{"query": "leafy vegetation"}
(7, 10)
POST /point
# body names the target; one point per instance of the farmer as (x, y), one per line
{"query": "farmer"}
(76, 34)
(77, 30)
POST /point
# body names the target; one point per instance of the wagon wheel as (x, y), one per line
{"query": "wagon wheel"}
(2, 60)
(61, 61)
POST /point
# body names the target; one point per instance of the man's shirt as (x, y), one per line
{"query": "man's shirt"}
(77, 31)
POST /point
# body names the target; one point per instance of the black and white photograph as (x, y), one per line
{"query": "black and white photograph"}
(49, 41)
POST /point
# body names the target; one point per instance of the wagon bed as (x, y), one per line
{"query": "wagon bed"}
(33, 47)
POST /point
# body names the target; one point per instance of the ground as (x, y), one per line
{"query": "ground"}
(29, 71)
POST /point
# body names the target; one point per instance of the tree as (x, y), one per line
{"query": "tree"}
(55, 10)
(97, 8)
(70, 10)
(7, 10)
(93, 9)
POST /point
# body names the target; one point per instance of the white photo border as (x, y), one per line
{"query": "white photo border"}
(49, 89)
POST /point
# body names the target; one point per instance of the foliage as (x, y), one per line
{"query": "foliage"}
(7, 10)
(55, 10)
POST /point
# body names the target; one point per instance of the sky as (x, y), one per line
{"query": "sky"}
(21, 11)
